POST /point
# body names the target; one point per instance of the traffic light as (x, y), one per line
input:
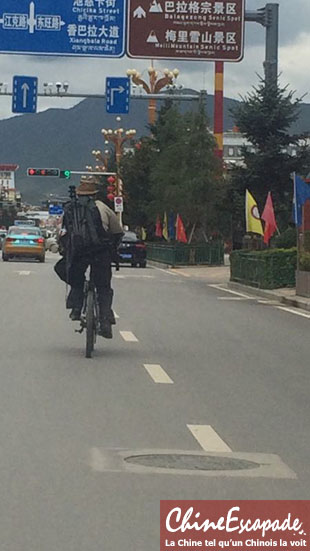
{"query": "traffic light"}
(65, 174)
(43, 172)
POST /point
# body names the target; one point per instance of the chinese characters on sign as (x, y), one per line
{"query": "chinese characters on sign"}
(186, 29)
(58, 27)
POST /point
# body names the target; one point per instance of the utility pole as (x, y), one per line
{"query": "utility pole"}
(268, 17)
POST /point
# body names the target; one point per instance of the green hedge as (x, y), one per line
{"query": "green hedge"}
(269, 269)
(178, 254)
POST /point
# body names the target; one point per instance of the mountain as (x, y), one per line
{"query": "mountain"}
(64, 138)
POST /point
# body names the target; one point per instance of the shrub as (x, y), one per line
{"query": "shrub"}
(304, 262)
(286, 240)
(268, 269)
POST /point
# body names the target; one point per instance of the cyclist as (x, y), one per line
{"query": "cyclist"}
(100, 258)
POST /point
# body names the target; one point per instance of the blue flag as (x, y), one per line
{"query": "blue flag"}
(301, 194)
(171, 226)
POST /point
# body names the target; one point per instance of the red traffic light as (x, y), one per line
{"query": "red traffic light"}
(43, 172)
(111, 180)
(110, 196)
(111, 188)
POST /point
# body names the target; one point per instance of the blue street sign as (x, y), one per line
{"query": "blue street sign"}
(117, 94)
(25, 91)
(94, 28)
(55, 209)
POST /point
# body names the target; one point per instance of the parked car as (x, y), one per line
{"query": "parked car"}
(132, 250)
(24, 241)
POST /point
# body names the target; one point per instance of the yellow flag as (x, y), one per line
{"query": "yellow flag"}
(143, 234)
(253, 221)
(165, 227)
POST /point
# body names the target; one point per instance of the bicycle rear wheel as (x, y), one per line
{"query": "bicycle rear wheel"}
(90, 324)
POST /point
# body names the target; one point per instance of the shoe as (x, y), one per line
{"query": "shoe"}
(75, 314)
(105, 329)
(112, 318)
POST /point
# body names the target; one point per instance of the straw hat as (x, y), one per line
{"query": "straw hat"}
(87, 186)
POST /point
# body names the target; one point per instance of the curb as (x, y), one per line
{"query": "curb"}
(297, 302)
(159, 264)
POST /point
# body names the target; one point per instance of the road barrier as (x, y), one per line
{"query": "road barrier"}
(187, 255)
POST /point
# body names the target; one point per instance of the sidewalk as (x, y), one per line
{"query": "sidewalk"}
(221, 274)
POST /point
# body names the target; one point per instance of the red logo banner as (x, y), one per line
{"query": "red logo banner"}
(226, 525)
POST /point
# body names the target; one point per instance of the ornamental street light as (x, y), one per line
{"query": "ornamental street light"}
(118, 138)
(156, 83)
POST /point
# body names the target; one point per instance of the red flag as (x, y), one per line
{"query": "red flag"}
(158, 230)
(180, 230)
(269, 218)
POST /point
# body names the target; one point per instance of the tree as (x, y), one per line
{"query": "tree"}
(135, 173)
(264, 117)
(186, 177)
(174, 170)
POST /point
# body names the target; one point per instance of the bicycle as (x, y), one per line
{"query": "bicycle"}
(90, 315)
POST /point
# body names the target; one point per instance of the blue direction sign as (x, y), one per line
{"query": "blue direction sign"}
(93, 28)
(25, 91)
(55, 209)
(117, 94)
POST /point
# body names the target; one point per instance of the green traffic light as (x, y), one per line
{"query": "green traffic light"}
(65, 174)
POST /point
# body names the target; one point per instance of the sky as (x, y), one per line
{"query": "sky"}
(87, 75)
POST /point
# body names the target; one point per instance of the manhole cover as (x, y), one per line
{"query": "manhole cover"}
(192, 462)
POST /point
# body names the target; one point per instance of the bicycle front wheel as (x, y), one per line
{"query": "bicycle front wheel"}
(90, 324)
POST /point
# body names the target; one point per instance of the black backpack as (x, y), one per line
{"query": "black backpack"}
(83, 223)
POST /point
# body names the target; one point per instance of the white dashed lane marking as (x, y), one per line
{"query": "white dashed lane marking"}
(128, 336)
(158, 374)
(23, 273)
(208, 439)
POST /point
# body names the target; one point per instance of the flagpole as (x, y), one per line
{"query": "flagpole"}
(296, 221)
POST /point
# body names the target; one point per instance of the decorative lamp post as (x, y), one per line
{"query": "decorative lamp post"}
(118, 138)
(156, 83)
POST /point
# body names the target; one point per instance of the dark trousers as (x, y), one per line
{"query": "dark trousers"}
(102, 274)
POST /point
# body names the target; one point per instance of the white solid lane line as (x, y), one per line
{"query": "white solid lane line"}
(128, 336)
(158, 374)
(220, 288)
(23, 273)
(208, 439)
(296, 312)
(231, 298)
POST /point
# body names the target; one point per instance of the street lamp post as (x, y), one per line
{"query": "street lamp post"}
(101, 159)
(118, 138)
(155, 85)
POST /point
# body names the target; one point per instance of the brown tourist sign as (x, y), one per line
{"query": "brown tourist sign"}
(186, 29)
